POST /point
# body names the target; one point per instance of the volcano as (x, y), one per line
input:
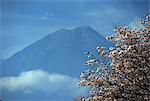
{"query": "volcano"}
(58, 52)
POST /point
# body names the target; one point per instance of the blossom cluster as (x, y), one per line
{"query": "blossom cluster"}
(126, 74)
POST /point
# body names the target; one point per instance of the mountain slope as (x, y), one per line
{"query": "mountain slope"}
(60, 51)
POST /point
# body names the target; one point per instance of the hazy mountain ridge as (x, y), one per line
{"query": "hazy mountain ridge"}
(60, 51)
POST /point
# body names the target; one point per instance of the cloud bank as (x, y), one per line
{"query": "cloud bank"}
(39, 80)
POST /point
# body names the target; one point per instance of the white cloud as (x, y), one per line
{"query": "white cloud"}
(30, 81)
(46, 15)
(94, 13)
(111, 11)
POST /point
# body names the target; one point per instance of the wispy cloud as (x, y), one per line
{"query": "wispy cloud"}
(111, 11)
(46, 15)
(30, 81)
(91, 13)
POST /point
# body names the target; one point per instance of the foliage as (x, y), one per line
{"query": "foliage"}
(122, 73)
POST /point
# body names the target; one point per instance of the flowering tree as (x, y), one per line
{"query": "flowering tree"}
(121, 73)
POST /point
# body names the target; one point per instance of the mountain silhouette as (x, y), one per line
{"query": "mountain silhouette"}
(58, 52)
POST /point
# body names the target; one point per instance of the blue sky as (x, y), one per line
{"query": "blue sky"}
(26, 21)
